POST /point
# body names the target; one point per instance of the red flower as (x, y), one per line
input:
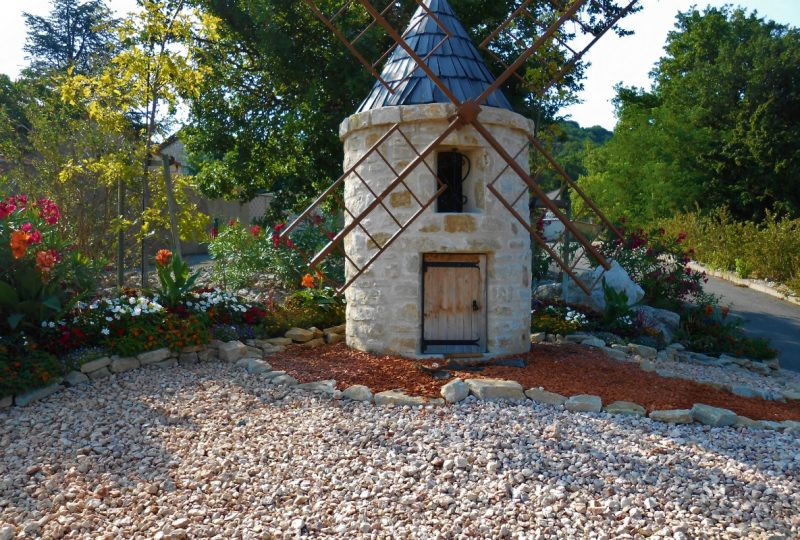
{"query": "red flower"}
(163, 257)
(214, 232)
(681, 236)
(331, 236)
(48, 211)
(277, 228)
(289, 243)
(276, 240)
(254, 230)
(36, 237)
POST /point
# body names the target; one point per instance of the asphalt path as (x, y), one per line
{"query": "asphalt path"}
(764, 316)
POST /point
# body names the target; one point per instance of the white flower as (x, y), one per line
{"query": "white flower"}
(44, 324)
(189, 304)
(136, 312)
(105, 331)
(51, 324)
(109, 319)
(131, 300)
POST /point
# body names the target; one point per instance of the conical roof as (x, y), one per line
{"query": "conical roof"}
(456, 62)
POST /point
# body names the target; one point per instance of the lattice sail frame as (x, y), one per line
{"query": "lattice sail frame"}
(466, 114)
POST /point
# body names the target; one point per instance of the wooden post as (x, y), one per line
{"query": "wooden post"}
(172, 206)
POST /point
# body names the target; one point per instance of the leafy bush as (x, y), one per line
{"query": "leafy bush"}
(557, 319)
(20, 373)
(320, 307)
(41, 275)
(767, 250)
(174, 278)
(657, 261)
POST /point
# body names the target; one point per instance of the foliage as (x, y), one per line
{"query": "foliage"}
(280, 83)
(75, 35)
(18, 374)
(558, 320)
(569, 144)
(708, 329)
(41, 276)
(719, 128)
(320, 307)
(175, 280)
(767, 250)
(658, 263)
(617, 314)
(242, 253)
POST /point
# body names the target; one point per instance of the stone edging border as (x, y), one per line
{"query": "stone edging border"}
(749, 283)
(250, 358)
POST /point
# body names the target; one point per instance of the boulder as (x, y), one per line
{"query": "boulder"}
(168, 363)
(358, 392)
(94, 365)
(663, 321)
(284, 380)
(193, 349)
(119, 365)
(332, 339)
(625, 408)
(547, 292)
(584, 403)
(673, 416)
(208, 354)
(616, 354)
(593, 342)
(397, 397)
(543, 396)
(455, 391)
(152, 357)
(300, 335)
(254, 366)
(101, 373)
(744, 422)
(74, 378)
(616, 278)
(322, 387)
(313, 343)
(713, 416)
(643, 350)
(278, 341)
(744, 391)
(232, 351)
(187, 358)
(338, 329)
(35, 395)
(538, 337)
(496, 389)
(272, 374)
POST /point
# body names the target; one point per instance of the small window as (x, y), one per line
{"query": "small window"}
(452, 168)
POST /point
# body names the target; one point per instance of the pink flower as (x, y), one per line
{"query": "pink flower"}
(36, 237)
(48, 211)
(27, 227)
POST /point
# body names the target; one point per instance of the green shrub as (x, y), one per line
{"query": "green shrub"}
(708, 329)
(558, 319)
(320, 307)
(22, 372)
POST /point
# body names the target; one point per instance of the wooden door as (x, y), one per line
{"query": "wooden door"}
(454, 303)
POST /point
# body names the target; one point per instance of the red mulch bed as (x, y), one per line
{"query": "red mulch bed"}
(566, 369)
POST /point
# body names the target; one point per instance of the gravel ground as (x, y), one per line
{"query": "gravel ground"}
(208, 451)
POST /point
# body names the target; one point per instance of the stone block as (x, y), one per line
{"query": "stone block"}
(397, 397)
(496, 389)
(153, 357)
(168, 363)
(743, 391)
(713, 416)
(299, 335)
(207, 354)
(584, 403)
(625, 408)
(332, 339)
(358, 392)
(673, 416)
(543, 396)
(321, 387)
(400, 199)
(278, 341)
(616, 354)
(538, 337)
(187, 358)
(643, 350)
(119, 365)
(94, 365)
(232, 351)
(193, 349)
(593, 342)
(75, 378)
(284, 380)
(385, 115)
(459, 223)
(31, 396)
(455, 391)
(101, 373)
(6, 402)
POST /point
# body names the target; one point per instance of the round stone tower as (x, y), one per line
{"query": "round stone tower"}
(452, 266)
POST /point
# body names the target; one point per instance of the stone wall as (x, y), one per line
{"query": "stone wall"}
(384, 304)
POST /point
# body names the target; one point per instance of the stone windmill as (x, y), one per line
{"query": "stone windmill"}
(437, 235)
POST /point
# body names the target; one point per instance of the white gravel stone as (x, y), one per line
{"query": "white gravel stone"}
(209, 451)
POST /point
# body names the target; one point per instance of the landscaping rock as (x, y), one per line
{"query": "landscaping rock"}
(791, 395)
(543, 396)
(744, 391)
(358, 392)
(615, 353)
(187, 358)
(332, 339)
(538, 337)
(593, 342)
(643, 350)
(285, 380)
(278, 341)
(317, 332)
(673, 416)
(616, 278)
(6, 402)
(584, 403)
(232, 351)
(272, 374)
(577, 338)
(152, 357)
(300, 335)
(397, 397)
(254, 366)
(193, 349)
(254, 352)
(74, 378)
(455, 391)
(547, 292)
(35, 395)
(647, 365)
(713, 416)
(760, 367)
(94, 365)
(744, 422)
(338, 329)
(496, 389)
(313, 343)
(208, 354)
(323, 387)
(101, 373)
(665, 322)
(168, 363)
(119, 365)
(627, 408)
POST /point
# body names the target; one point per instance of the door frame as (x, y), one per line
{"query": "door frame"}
(480, 264)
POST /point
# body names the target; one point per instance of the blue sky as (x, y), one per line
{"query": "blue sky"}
(627, 60)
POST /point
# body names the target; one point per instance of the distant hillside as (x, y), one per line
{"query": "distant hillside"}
(568, 143)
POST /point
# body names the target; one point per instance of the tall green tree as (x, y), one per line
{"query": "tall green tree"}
(280, 83)
(719, 128)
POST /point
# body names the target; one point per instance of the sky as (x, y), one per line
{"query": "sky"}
(626, 60)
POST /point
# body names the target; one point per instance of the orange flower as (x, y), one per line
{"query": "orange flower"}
(163, 257)
(308, 281)
(709, 309)
(19, 243)
(45, 261)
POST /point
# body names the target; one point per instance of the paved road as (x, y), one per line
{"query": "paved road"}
(764, 316)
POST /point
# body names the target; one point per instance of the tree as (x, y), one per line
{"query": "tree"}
(280, 83)
(77, 35)
(719, 128)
